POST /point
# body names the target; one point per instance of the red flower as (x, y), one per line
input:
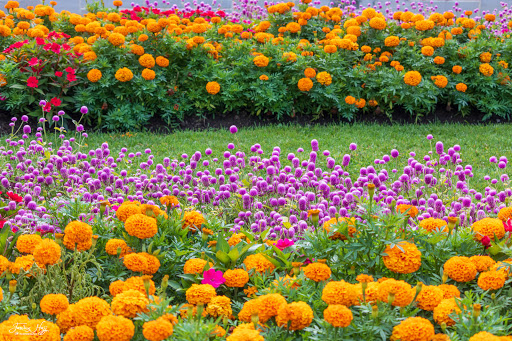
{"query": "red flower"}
(66, 47)
(58, 73)
(486, 241)
(56, 101)
(71, 77)
(2, 223)
(70, 70)
(508, 225)
(32, 82)
(47, 107)
(33, 61)
(14, 197)
(55, 48)
(39, 41)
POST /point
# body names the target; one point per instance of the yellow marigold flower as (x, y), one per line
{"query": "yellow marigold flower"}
(129, 303)
(460, 269)
(26, 243)
(47, 252)
(505, 214)
(137, 283)
(80, 333)
(305, 84)
(440, 81)
(411, 210)
(449, 290)
(310, 72)
(195, 266)
(482, 263)
(264, 77)
(147, 61)
(406, 261)
(399, 293)
(461, 87)
(268, 306)
(294, 316)
(135, 262)
(317, 272)
(429, 297)
(148, 74)
(169, 200)
(193, 220)
(392, 41)
(124, 75)
(162, 62)
(486, 69)
(200, 293)
(259, 263)
(213, 88)
(115, 328)
(378, 23)
(261, 61)
(339, 292)
(324, 78)
(157, 330)
(117, 287)
(413, 329)
(492, 280)
(141, 226)
(444, 309)
(489, 227)
(94, 75)
(237, 278)
(219, 306)
(433, 224)
(116, 39)
(112, 246)
(54, 304)
(90, 310)
(338, 315)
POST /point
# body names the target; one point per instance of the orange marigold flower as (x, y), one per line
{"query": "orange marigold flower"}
(116, 39)
(147, 61)
(261, 61)
(250, 308)
(310, 72)
(482, 263)
(237, 278)
(157, 330)
(268, 306)
(485, 57)
(305, 84)
(339, 292)
(67, 319)
(402, 258)
(461, 87)
(141, 226)
(489, 227)
(47, 252)
(505, 214)
(200, 293)
(112, 246)
(439, 60)
(195, 266)
(136, 262)
(411, 210)
(126, 210)
(460, 269)
(414, 329)
(324, 78)
(486, 336)
(492, 280)
(170, 201)
(129, 303)
(259, 263)
(124, 75)
(350, 100)
(80, 333)
(429, 297)
(26, 243)
(245, 334)
(449, 291)
(193, 220)
(370, 293)
(392, 41)
(433, 224)
(440, 81)
(219, 306)
(117, 287)
(295, 315)
(378, 23)
(363, 278)
(115, 328)
(486, 69)
(399, 293)
(427, 51)
(153, 264)
(148, 74)
(137, 283)
(338, 315)
(54, 304)
(90, 310)
(94, 75)
(330, 49)
(213, 88)
(78, 232)
(317, 272)
(444, 309)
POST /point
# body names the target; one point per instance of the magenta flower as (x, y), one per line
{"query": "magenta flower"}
(284, 243)
(214, 278)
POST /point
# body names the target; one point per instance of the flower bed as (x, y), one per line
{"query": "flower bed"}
(247, 244)
(133, 65)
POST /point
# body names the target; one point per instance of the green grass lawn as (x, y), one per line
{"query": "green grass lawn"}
(478, 142)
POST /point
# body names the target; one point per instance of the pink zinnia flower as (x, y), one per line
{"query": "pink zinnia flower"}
(284, 243)
(214, 278)
(32, 82)
(33, 61)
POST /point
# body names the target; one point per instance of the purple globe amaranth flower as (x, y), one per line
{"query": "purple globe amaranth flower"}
(84, 110)
(233, 129)
(353, 147)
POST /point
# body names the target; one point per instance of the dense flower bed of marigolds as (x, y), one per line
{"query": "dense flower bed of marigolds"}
(249, 244)
(132, 65)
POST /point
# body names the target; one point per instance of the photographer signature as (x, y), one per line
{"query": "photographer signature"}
(23, 329)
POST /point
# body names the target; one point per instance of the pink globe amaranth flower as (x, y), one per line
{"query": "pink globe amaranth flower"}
(486, 241)
(284, 243)
(214, 278)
